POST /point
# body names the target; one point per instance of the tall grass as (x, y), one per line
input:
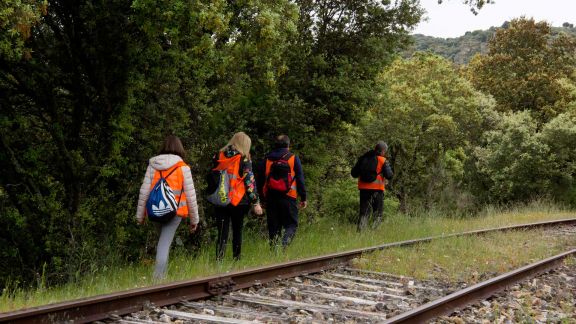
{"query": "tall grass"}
(326, 235)
(468, 259)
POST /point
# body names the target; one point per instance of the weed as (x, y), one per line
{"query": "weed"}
(328, 234)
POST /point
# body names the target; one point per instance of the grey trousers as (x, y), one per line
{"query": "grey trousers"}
(167, 232)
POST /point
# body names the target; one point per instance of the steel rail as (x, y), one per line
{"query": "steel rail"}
(124, 302)
(448, 304)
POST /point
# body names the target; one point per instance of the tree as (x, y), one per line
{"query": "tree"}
(517, 161)
(64, 126)
(104, 82)
(17, 17)
(341, 47)
(430, 115)
(560, 136)
(513, 162)
(523, 67)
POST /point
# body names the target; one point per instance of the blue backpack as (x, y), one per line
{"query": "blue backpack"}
(161, 205)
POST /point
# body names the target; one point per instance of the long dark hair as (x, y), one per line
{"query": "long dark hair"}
(172, 145)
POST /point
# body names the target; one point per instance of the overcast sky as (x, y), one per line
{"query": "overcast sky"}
(452, 18)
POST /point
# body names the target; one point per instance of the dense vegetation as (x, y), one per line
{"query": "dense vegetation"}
(88, 90)
(461, 49)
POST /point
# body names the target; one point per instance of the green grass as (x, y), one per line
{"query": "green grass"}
(325, 236)
(469, 259)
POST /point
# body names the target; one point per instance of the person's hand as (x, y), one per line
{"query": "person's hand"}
(141, 221)
(193, 228)
(303, 204)
(258, 209)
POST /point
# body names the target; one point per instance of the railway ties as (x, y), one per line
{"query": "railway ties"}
(547, 298)
(320, 280)
(343, 294)
(346, 294)
(563, 230)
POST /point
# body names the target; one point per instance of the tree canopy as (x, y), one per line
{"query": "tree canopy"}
(446, 114)
(526, 68)
(89, 89)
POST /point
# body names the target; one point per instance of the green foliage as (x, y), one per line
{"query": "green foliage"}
(468, 258)
(430, 116)
(342, 46)
(518, 161)
(462, 49)
(458, 50)
(64, 133)
(89, 94)
(530, 71)
(523, 67)
(17, 17)
(329, 235)
(89, 89)
(511, 163)
(342, 196)
(560, 136)
(475, 5)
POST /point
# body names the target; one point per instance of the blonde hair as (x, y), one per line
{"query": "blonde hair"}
(241, 142)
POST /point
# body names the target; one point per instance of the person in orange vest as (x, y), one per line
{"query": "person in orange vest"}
(169, 164)
(283, 182)
(235, 158)
(372, 169)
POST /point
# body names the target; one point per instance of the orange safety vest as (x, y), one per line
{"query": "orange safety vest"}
(232, 167)
(292, 192)
(176, 182)
(377, 184)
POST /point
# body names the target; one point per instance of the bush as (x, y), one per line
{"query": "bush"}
(519, 162)
(341, 201)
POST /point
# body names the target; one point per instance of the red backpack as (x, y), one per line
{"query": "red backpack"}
(279, 176)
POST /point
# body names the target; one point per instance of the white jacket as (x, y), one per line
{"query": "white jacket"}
(164, 162)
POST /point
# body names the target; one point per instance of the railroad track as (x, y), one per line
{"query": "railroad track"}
(337, 293)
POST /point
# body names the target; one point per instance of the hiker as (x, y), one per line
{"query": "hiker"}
(283, 182)
(167, 208)
(371, 169)
(232, 189)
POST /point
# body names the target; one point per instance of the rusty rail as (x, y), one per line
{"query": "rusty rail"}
(101, 307)
(459, 299)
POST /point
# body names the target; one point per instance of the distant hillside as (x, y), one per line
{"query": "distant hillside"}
(460, 50)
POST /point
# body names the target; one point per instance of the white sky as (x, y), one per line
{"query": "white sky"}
(452, 18)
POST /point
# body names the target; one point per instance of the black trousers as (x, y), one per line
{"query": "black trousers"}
(225, 216)
(281, 213)
(371, 203)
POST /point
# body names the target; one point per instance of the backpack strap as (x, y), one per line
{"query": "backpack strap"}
(174, 168)
(290, 155)
(287, 156)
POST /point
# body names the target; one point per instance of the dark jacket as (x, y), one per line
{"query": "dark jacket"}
(277, 154)
(386, 170)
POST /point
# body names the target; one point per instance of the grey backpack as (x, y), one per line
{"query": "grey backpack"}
(221, 195)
